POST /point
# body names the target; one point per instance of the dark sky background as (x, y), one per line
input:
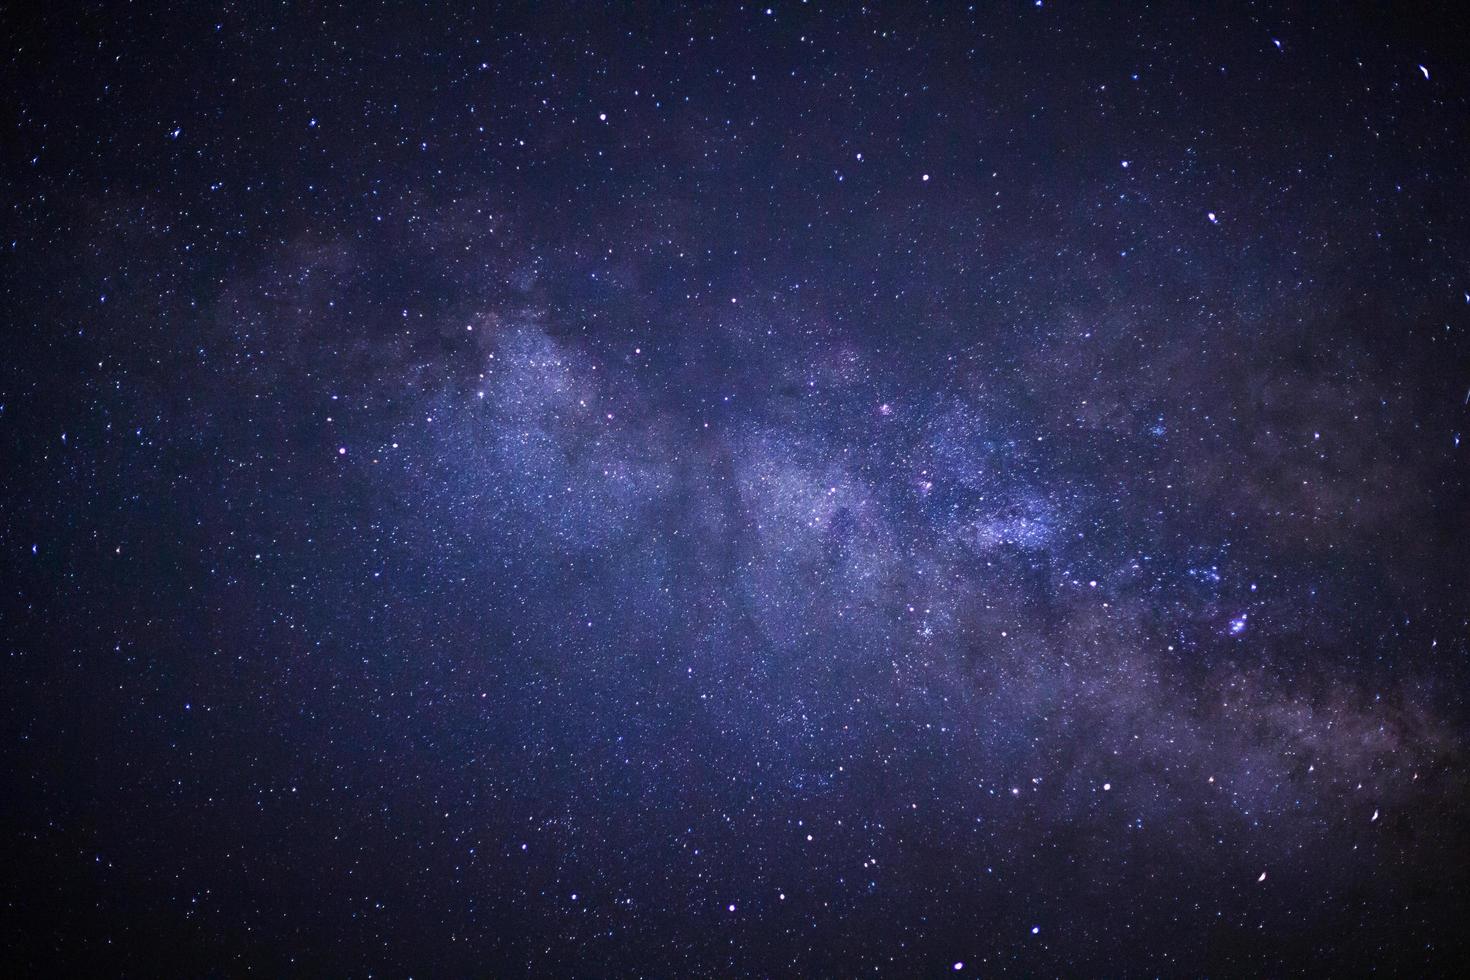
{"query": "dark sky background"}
(717, 490)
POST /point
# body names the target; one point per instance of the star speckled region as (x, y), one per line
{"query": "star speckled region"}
(803, 490)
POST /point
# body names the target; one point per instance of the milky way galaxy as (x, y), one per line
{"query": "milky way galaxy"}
(811, 490)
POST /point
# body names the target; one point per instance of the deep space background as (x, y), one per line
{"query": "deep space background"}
(816, 489)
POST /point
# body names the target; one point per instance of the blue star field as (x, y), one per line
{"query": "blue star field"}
(671, 490)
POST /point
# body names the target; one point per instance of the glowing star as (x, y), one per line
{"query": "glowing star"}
(1237, 625)
(1213, 219)
(1261, 878)
(959, 965)
(1425, 71)
(1035, 930)
(1374, 818)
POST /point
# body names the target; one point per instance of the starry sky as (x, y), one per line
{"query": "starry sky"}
(725, 490)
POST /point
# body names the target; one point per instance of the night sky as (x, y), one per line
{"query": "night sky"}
(815, 490)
